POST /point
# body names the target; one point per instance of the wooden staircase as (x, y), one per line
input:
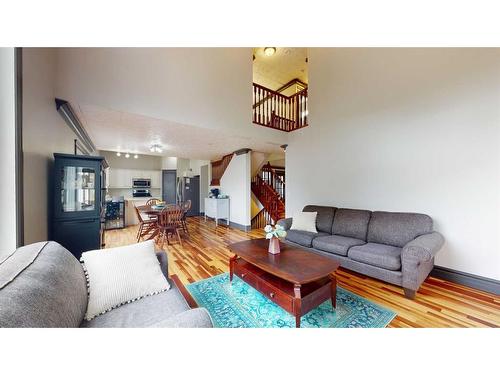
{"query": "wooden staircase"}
(269, 188)
(218, 169)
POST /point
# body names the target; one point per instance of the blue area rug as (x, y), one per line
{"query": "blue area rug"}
(238, 305)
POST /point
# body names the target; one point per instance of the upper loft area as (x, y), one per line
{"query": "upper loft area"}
(280, 83)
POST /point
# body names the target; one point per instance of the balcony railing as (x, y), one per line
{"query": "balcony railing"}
(275, 110)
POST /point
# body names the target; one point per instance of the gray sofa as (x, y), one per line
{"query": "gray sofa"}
(43, 285)
(395, 247)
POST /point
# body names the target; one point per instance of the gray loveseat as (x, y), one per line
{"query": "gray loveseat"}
(395, 247)
(43, 285)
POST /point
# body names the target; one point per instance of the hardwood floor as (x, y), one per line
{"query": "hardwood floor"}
(438, 303)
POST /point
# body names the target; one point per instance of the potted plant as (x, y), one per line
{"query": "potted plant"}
(273, 235)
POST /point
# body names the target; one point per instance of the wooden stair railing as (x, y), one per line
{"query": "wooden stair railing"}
(261, 219)
(269, 197)
(275, 110)
(218, 169)
(269, 175)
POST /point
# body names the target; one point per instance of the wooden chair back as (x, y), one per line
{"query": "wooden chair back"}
(171, 216)
(152, 202)
(139, 217)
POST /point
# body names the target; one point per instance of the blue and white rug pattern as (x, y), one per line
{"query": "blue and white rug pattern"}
(238, 305)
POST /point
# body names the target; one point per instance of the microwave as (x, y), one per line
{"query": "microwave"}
(141, 183)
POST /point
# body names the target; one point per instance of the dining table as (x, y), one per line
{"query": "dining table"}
(154, 211)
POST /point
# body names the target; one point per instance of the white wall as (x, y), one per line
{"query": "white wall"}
(236, 183)
(144, 162)
(206, 87)
(44, 132)
(258, 159)
(7, 152)
(407, 130)
(169, 162)
(196, 165)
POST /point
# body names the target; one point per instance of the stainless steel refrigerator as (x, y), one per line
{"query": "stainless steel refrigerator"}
(188, 188)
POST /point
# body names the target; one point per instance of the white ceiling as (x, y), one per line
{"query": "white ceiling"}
(276, 70)
(113, 130)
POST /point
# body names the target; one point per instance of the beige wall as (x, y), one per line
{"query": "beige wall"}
(44, 132)
(7, 152)
(205, 87)
(406, 130)
(142, 162)
(236, 183)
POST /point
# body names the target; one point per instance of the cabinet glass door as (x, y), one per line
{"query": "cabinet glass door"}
(78, 189)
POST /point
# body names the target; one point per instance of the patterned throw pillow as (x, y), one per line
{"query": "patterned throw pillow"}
(121, 275)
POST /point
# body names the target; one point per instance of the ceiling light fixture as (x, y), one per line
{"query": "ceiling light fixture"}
(269, 51)
(118, 154)
(127, 155)
(156, 148)
(136, 156)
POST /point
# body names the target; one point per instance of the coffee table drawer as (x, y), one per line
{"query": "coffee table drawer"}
(276, 295)
(246, 276)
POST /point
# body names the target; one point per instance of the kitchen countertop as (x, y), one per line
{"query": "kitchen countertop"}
(137, 199)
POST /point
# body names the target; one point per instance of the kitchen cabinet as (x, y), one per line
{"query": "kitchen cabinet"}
(156, 179)
(122, 178)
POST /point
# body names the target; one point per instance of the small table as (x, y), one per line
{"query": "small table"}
(295, 279)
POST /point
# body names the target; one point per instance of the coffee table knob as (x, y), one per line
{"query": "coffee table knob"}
(271, 295)
(243, 275)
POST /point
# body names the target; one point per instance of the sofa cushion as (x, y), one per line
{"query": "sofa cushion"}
(145, 312)
(324, 219)
(375, 254)
(397, 228)
(351, 223)
(302, 237)
(336, 244)
(42, 285)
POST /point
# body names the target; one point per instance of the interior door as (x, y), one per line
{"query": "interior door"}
(169, 178)
(203, 187)
(192, 192)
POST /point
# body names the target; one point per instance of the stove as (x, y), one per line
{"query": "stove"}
(141, 193)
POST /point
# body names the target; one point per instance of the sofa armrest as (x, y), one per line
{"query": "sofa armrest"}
(285, 223)
(424, 247)
(163, 259)
(194, 318)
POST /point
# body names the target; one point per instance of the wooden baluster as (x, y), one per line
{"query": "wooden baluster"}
(260, 106)
(254, 102)
(267, 107)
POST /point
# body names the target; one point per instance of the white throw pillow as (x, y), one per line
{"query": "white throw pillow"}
(121, 275)
(305, 221)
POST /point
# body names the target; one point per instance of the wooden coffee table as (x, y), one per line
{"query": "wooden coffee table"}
(295, 279)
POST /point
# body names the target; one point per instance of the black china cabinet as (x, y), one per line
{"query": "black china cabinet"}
(79, 204)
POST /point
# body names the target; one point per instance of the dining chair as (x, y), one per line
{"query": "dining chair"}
(186, 206)
(152, 201)
(146, 226)
(169, 222)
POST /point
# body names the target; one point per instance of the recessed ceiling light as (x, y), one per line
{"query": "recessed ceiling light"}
(269, 51)
(136, 156)
(118, 154)
(127, 155)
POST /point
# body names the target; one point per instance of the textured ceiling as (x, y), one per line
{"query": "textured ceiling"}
(127, 132)
(279, 69)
